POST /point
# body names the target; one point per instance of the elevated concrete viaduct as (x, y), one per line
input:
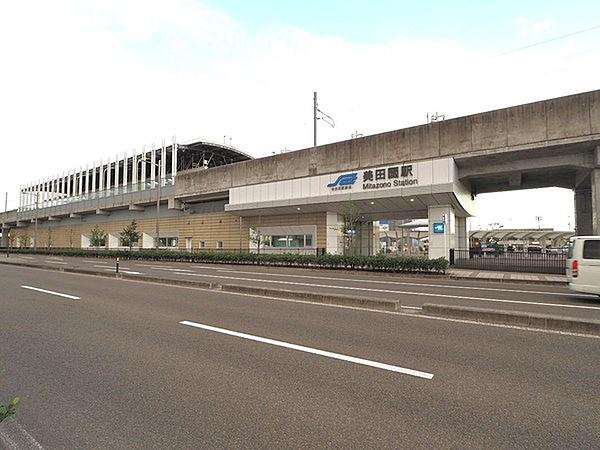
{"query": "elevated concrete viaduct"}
(433, 170)
(543, 144)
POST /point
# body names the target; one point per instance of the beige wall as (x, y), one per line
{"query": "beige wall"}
(210, 228)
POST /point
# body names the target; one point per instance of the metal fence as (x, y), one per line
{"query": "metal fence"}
(536, 262)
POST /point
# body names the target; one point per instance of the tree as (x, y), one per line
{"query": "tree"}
(351, 220)
(97, 237)
(130, 236)
(258, 239)
(12, 238)
(24, 240)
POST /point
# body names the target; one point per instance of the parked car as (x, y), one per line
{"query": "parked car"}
(583, 264)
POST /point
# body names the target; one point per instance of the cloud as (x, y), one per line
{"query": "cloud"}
(528, 27)
(87, 82)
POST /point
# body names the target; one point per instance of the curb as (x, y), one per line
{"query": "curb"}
(384, 305)
(523, 319)
(503, 280)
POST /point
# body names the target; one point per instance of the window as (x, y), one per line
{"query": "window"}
(219, 244)
(291, 240)
(168, 242)
(202, 244)
(591, 249)
(125, 242)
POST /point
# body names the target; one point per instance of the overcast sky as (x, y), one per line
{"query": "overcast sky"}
(83, 80)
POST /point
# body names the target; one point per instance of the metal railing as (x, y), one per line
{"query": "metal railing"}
(534, 262)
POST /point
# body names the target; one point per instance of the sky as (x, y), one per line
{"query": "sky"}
(83, 80)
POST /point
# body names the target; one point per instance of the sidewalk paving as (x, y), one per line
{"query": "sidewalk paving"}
(507, 276)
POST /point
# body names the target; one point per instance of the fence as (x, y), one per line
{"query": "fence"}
(536, 262)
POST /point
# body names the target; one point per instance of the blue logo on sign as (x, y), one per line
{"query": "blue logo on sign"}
(347, 179)
(438, 227)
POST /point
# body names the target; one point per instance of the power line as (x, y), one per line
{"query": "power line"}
(550, 40)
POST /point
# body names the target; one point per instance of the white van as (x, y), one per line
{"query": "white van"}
(583, 264)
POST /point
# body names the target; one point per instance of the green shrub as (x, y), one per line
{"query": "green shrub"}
(9, 409)
(379, 263)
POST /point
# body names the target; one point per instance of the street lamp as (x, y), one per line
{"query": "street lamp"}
(158, 165)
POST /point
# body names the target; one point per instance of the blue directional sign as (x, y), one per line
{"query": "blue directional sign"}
(438, 227)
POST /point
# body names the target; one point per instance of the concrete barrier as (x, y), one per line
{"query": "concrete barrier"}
(387, 305)
(522, 319)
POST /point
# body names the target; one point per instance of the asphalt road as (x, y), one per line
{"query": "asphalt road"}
(410, 291)
(112, 366)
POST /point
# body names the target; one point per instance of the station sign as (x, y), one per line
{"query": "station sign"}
(379, 178)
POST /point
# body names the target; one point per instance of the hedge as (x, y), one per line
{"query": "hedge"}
(369, 263)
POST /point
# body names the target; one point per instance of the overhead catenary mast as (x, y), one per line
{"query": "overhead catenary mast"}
(318, 114)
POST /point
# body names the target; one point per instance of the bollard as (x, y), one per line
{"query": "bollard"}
(117, 267)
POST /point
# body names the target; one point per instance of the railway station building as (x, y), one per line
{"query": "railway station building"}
(213, 196)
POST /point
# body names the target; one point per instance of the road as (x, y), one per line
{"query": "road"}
(412, 292)
(107, 363)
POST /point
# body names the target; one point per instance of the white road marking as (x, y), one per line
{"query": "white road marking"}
(128, 272)
(60, 294)
(389, 291)
(153, 267)
(55, 262)
(103, 266)
(404, 283)
(314, 351)
(175, 270)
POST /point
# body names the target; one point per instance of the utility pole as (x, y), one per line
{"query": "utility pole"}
(315, 119)
(539, 219)
(6, 202)
(318, 114)
(35, 228)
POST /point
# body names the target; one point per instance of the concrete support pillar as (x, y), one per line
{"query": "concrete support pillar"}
(101, 174)
(116, 184)
(143, 168)
(125, 174)
(442, 231)
(174, 160)
(595, 200)
(80, 182)
(63, 188)
(94, 177)
(163, 166)
(70, 183)
(462, 236)
(4, 240)
(44, 201)
(363, 242)
(334, 241)
(108, 175)
(87, 179)
(583, 210)
(152, 165)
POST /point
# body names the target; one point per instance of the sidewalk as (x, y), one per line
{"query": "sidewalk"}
(492, 275)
